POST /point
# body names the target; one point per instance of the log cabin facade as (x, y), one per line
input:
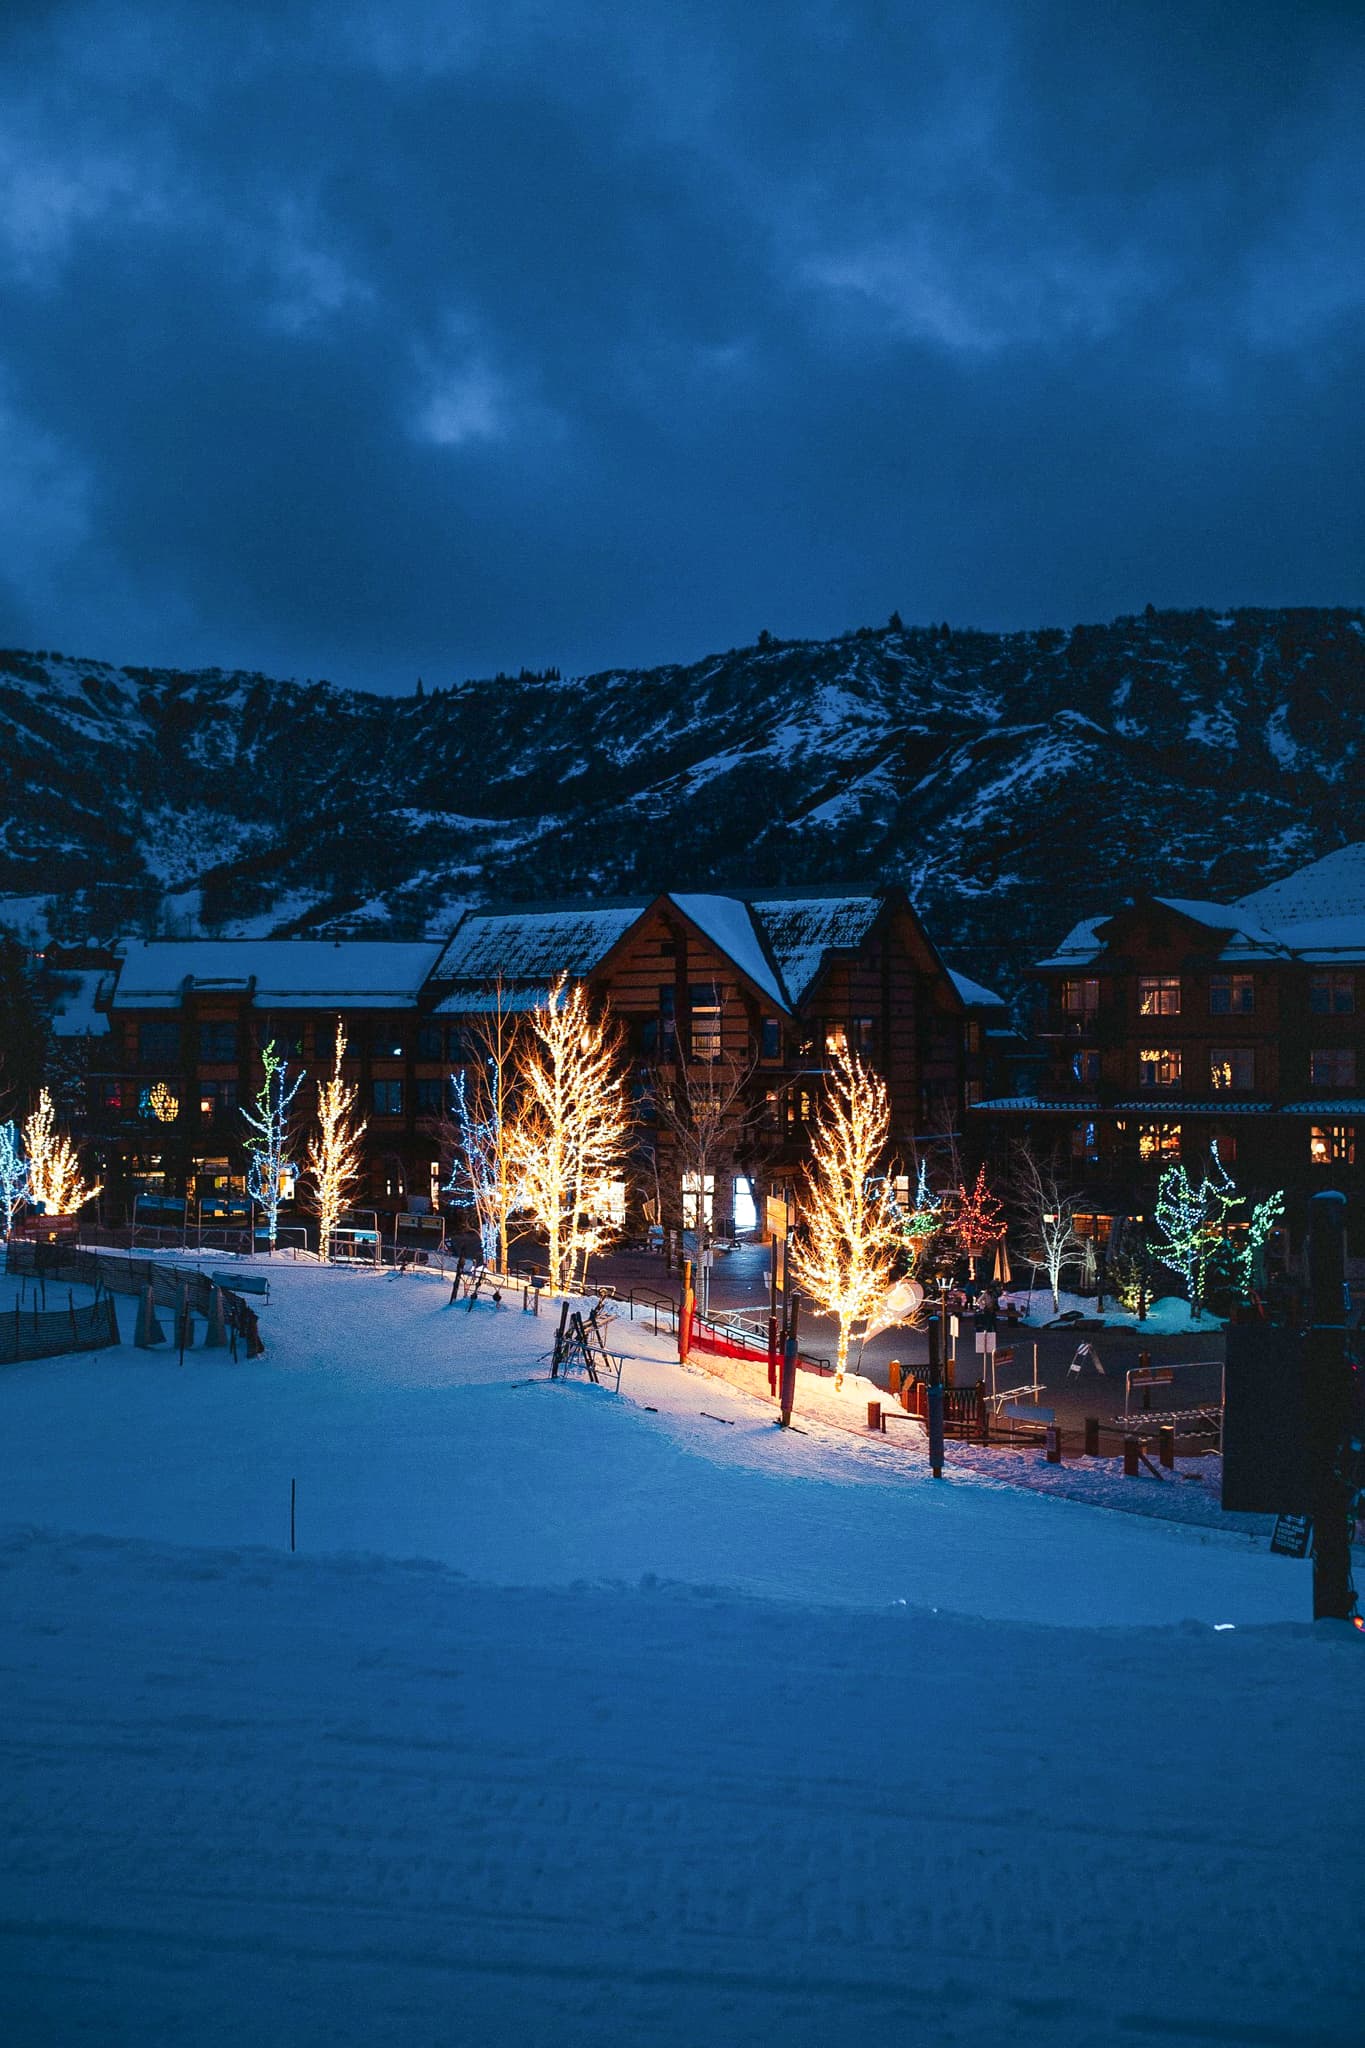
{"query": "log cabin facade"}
(711, 992)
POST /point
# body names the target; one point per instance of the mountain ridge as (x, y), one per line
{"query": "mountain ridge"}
(1012, 782)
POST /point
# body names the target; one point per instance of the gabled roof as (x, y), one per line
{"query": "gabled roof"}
(731, 926)
(281, 974)
(533, 946)
(1250, 937)
(802, 932)
(1333, 887)
(1245, 937)
(1079, 947)
(974, 995)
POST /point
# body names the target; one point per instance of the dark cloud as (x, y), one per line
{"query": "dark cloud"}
(371, 338)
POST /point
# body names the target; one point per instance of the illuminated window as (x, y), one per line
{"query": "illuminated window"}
(1332, 995)
(1085, 1066)
(1080, 998)
(388, 1098)
(111, 1096)
(1159, 995)
(1227, 1148)
(704, 1003)
(1232, 995)
(217, 1098)
(1158, 1141)
(1159, 1067)
(1232, 1068)
(836, 1038)
(386, 1043)
(1085, 1143)
(694, 1185)
(1332, 1144)
(1333, 1067)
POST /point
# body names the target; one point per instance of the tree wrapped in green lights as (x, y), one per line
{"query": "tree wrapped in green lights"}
(1194, 1220)
(269, 1151)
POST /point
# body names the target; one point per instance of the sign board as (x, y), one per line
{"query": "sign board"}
(774, 1218)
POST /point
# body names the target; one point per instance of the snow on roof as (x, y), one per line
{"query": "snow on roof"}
(74, 1014)
(283, 974)
(973, 994)
(1250, 935)
(729, 924)
(1325, 940)
(525, 946)
(1079, 946)
(801, 931)
(1329, 888)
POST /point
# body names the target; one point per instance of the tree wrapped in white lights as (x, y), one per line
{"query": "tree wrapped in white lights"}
(1193, 1220)
(333, 1160)
(846, 1255)
(13, 1175)
(1049, 1238)
(572, 1126)
(270, 1152)
(55, 1182)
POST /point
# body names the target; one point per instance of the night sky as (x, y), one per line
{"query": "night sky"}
(366, 339)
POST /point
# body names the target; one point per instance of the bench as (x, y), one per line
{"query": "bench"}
(243, 1283)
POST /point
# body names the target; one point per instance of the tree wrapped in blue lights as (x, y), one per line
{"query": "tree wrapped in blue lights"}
(14, 1175)
(269, 1153)
(476, 1172)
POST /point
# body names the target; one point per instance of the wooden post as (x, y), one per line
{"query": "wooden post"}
(1092, 1436)
(685, 1313)
(1165, 1445)
(874, 1415)
(788, 1390)
(1132, 1451)
(985, 1409)
(1054, 1444)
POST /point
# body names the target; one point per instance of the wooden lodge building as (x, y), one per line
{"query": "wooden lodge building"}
(1171, 1024)
(701, 984)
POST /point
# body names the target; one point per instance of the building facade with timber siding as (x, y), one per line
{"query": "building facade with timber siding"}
(1172, 1025)
(713, 994)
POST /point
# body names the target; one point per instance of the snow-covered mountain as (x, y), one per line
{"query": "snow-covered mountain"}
(1013, 782)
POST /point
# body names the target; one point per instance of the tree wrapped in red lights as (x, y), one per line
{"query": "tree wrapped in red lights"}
(978, 1219)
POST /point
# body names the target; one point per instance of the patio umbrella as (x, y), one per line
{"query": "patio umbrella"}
(1002, 1264)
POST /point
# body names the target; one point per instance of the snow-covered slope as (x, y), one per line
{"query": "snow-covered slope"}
(592, 1721)
(1013, 782)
